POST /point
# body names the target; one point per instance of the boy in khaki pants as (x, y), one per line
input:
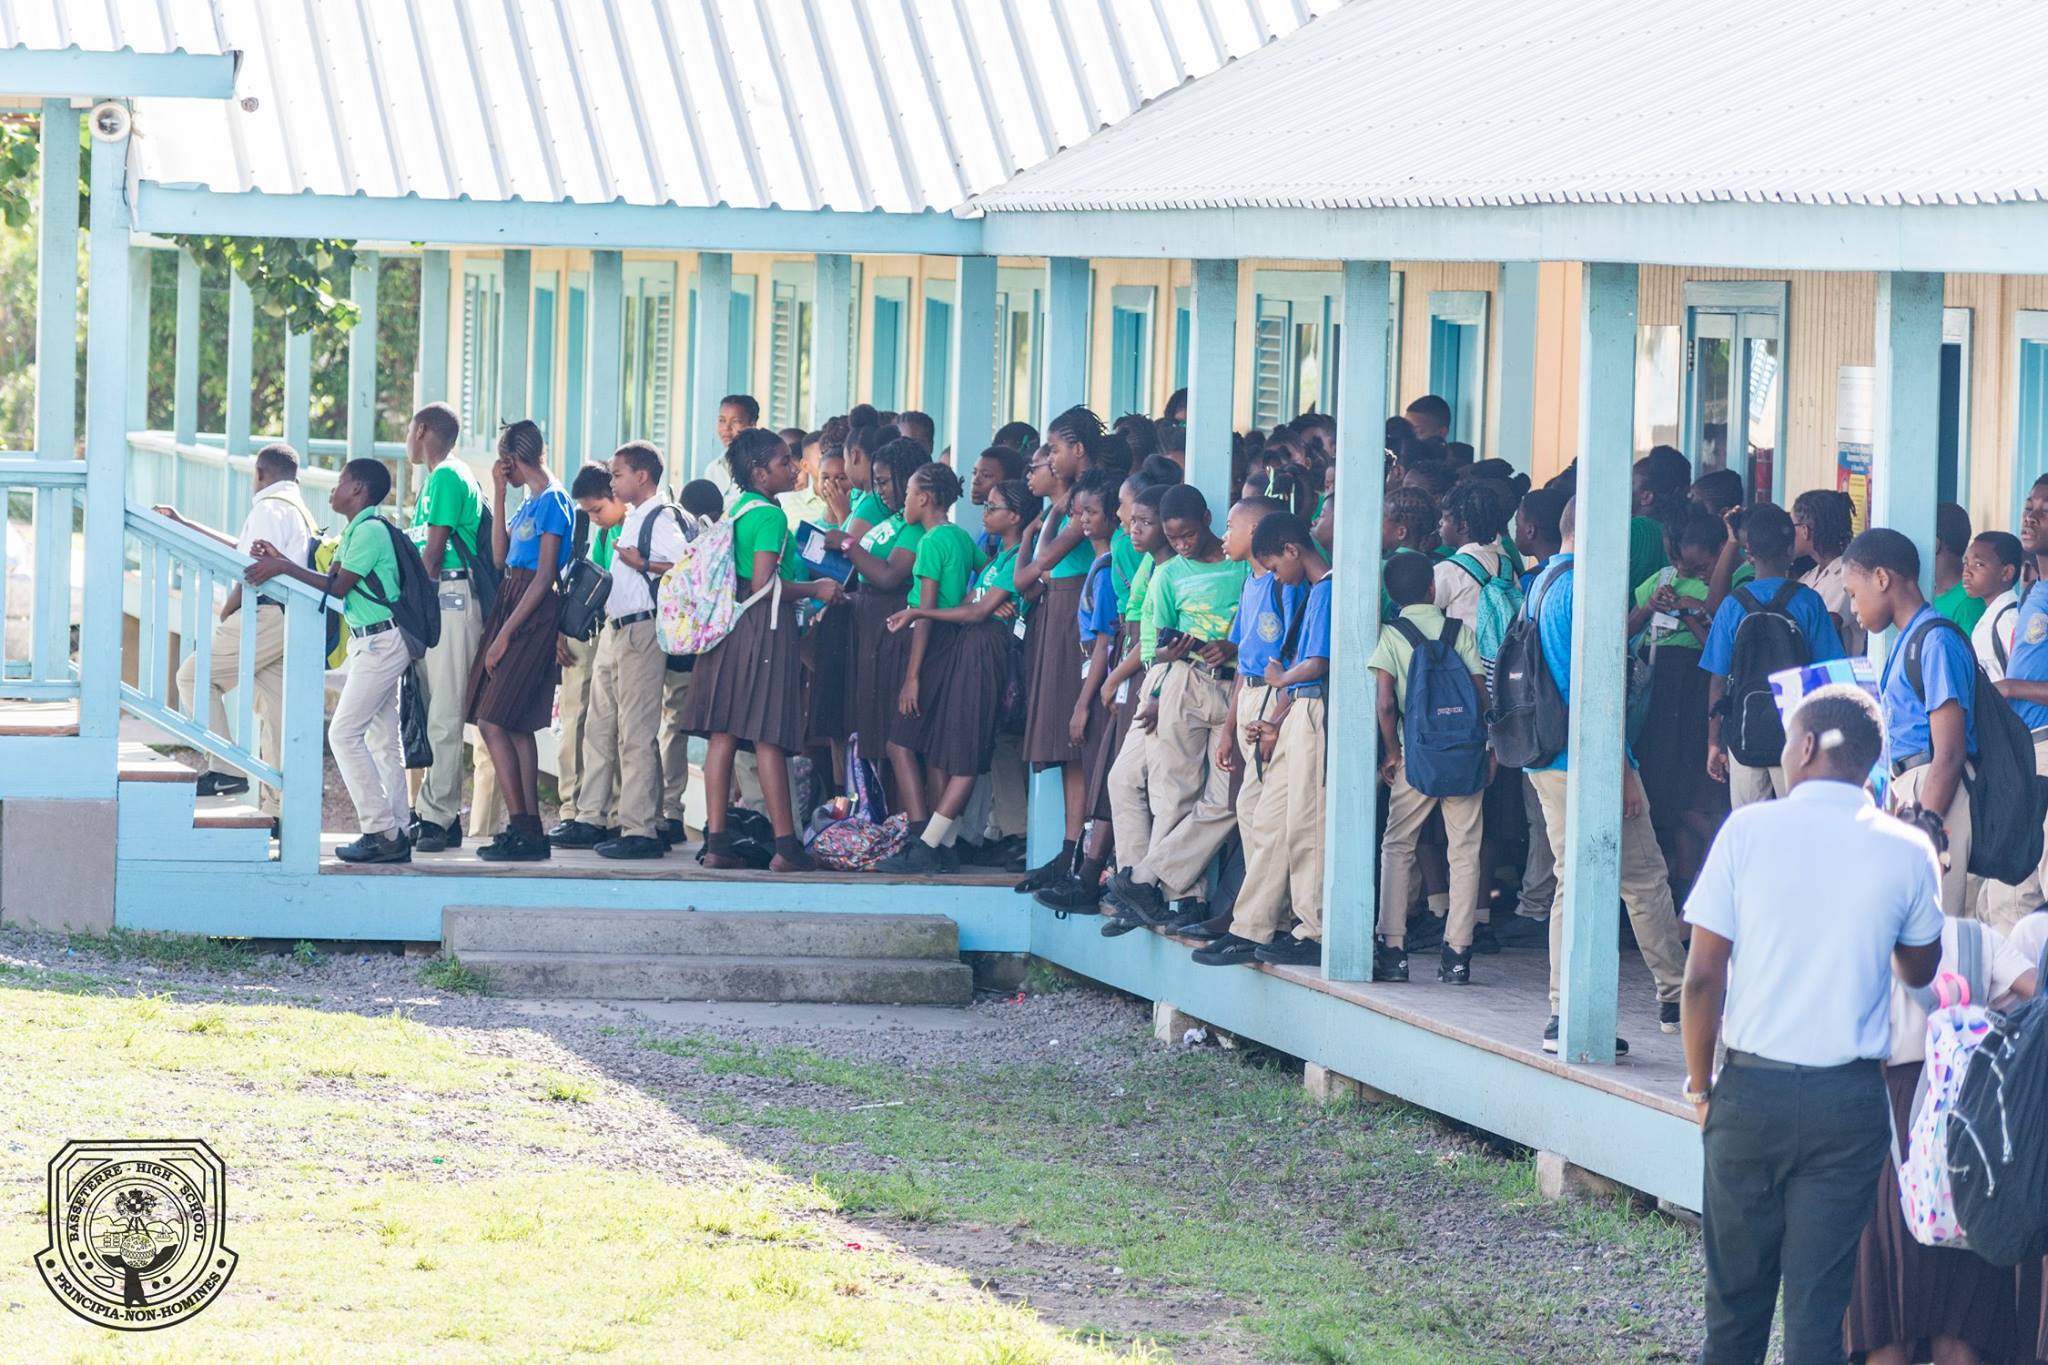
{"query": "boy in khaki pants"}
(598, 534)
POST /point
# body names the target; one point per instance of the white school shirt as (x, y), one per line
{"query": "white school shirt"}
(1909, 1021)
(1813, 892)
(279, 516)
(629, 586)
(1832, 583)
(1457, 591)
(2027, 939)
(2001, 614)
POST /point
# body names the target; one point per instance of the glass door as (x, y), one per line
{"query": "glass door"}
(1735, 382)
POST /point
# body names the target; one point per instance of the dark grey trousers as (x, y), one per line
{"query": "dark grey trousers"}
(1792, 1159)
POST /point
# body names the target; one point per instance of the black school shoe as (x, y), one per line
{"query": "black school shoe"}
(1118, 924)
(915, 858)
(377, 848)
(428, 837)
(1288, 951)
(1229, 951)
(221, 784)
(514, 847)
(1389, 964)
(629, 846)
(1142, 903)
(1550, 1039)
(1071, 896)
(670, 832)
(579, 834)
(1044, 875)
(1667, 1016)
(1484, 939)
(1455, 968)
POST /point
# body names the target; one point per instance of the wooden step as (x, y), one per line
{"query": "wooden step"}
(38, 719)
(140, 763)
(230, 816)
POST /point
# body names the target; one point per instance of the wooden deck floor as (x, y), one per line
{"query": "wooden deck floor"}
(583, 865)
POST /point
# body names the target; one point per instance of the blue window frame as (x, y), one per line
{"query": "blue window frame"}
(1457, 360)
(935, 389)
(541, 390)
(1294, 343)
(1130, 348)
(739, 364)
(889, 343)
(1020, 345)
(1183, 329)
(647, 374)
(572, 406)
(483, 302)
(1954, 436)
(1735, 381)
(2030, 396)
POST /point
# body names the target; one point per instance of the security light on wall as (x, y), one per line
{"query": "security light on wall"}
(110, 121)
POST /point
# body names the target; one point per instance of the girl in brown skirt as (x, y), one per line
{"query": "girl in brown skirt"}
(749, 686)
(883, 554)
(939, 579)
(959, 702)
(828, 644)
(512, 683)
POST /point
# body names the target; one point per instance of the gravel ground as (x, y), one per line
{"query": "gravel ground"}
(1452, 1231)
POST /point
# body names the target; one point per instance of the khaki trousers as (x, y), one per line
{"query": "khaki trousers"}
(1539, 869)
(1191, 810)
(1464, 818)
(487, 803)
(1645, 890)
(1747, 785)
(622, 729)
(2002, 906)
(1291, 807)
(444, 672)
(363, 732)
(572, 710)
(1130, 806)
(224, 668)
(675, 744)
(1955, 878)
(1261, 910)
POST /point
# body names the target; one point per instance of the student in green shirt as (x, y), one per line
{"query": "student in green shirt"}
(600, 514)
(1951, 540)
(1129, 687)
(869, 508)
(883, 555)
(446, 517)
(363, 733)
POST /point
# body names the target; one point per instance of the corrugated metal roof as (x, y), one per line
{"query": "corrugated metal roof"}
(147, 26)
(1447, 103)
(853, 105)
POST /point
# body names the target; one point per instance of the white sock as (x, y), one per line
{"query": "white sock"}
(938, 832)
(952, 832)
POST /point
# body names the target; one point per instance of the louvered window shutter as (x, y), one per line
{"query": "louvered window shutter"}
(1270, 362)
(661, 365)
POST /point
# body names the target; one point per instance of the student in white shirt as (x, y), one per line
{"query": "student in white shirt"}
(1991, 574)
(1797, 1124)
(279, 517)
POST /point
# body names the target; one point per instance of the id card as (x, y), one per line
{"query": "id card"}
(1018, 629)
(454, 598)
(1087, 666)
(1663, 623)
(1123, 692)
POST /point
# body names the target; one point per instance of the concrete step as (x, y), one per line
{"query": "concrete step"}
(793, 980)
(767, 934)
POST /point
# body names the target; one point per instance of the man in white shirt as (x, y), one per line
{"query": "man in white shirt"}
(278, 516)
(1805, 911)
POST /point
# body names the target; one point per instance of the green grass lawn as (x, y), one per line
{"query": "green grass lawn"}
(397, 1192)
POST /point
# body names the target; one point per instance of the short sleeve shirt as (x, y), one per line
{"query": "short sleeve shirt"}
(1076, 561)
(545, 513)
(1097, 614)
(1260, 627)
(754, 532)
(1393, 655)
(1312, 641)
(1123, 561)
(1645, 548)
(1678, 637)
(1805, 607)
(1196, 598)
(279, 516)
(366, 551)
(450, 497)
(1948, 669)
(1141, 598)
(1554, 630)
(868, 507)
(1994, 632)
(945, 555)
(1958, 606)
(1000, 575)
(2028, 661)
(601, 546)
(665, 542)
(889, 535)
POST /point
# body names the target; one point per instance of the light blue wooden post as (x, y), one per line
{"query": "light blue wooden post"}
(57, 287)
(602, 395)
(512, 337)
(1906, 416)
(711, 359)
(430, 382)
(185, 363)
(1517, 422)
(106, 457)
(1212, 379)
(1066, 383)
(971, 399)
(1350, 839)
(831, 338)
(298, 391)
(362, 358)
(299, 756)
(241, 387)
(1591, 876)
(138, 336)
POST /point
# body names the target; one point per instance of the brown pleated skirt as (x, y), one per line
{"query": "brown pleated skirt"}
(828, 685)
(962, 702)
(750, 684)
(874, 683)
(1115, 727)
(1908, 1294)
(909, 731)
(519, 694)
(1054, 673)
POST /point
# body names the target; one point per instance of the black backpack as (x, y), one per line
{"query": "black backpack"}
(1530, 723)
(1767, 640)
(2008, 799)
(1998, 1138)
(417, 607)
(485, 577)
(585, 587)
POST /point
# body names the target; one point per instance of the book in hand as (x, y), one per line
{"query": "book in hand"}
(810, 547)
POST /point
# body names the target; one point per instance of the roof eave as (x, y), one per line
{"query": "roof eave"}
(76, 73)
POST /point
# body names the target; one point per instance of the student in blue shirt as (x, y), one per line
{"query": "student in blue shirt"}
(1767, 539)
(1645, 880)
(512, 682)
(1537, 542)
(2025, 686)
(1929, 733)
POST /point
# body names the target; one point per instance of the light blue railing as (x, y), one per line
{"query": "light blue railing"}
(202, 480)
(181, 579)
(39, 567)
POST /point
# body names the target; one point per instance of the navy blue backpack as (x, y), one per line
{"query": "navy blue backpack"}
(1443, 731)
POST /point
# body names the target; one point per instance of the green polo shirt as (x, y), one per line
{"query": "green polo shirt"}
(946, 557)
(867, 507)
(752, 533)
(451, 497)
(602, 545)
(1196, 598)
(1076, 561)
(366, 552)
(889, 535)
(1123, 568)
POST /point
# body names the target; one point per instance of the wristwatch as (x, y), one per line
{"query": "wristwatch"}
(1691, 1096)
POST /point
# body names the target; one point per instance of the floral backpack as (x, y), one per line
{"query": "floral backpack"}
(697, 604)
(1954, 1029)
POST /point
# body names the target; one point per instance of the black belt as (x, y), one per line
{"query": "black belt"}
(1304, 690)
(1756, 1063)
(1255, 680)
(1222, 673)
(630, 618)
(364, 632)
(454, 575)
(1905, 765)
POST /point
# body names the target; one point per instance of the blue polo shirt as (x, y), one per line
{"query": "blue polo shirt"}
(1805, 607)
(546, 513)
(1313, 640)
(1554, 629)
(2029, 659)
(1260, 626)
(1948, 669)
(1097, 614)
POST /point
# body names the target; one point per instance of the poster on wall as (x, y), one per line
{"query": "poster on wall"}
(1855, 400)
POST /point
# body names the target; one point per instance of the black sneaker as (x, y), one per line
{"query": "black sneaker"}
(1044, 875)
(628, 846)
(578, 834)
(517, 848)
(1071, 896)
(221, 784)
(1288, 951)
(1142, 902)
(429, 837)
(1187, 912)
(1389, 964)
(670, 832)
(1484, 940)
(1228, 951)
(377, 848)
(915, 858)
(1550, 1039)
(1204, 930)
(1455, 968)
(1667, 1016)
(949, 859)
(1117, 925)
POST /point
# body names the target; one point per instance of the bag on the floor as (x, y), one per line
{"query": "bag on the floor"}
(481, 564)
(1955, 1030)
(2008, 799)
(1767, 641)
(856, 845)
(416, 607)
(697, 604)
(1530, 721)
(1998, 1140)
(1443, 735)
(412, 719)
(863, 785)
(1500, 602)
(585, 588)
(753, 838)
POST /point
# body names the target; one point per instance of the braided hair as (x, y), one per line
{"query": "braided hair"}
(1018, 497)
(941, 483)
(1078, 424)
(751, 451)
(902, 457)
(522, 441)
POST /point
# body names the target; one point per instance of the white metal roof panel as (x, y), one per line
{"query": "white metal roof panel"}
(1447, 103)
(151, 27)
(851, 105)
